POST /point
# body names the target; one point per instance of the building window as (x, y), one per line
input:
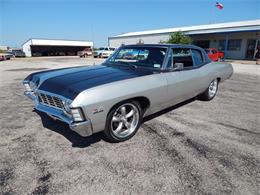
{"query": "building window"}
(202, 43)
(234, 44)
(221, 45)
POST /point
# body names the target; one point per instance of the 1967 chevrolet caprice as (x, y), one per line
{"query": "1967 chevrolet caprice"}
(136, 81)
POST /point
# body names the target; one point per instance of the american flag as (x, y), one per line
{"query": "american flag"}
(219, 6)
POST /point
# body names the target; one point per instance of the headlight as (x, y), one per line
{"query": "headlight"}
(27, 87)
(77, 114)
(66, 105)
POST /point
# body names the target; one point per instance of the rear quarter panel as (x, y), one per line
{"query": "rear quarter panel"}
(215, 70)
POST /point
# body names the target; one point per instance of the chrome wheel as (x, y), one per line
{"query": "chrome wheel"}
(125, 120)
(213, 87)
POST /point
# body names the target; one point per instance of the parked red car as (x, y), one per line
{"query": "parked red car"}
(214, 54)
(2, 57)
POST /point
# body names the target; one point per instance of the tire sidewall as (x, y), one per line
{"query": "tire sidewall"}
(108, 131)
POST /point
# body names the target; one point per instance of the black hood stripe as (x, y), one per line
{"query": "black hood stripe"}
(70, 84)
(77, 77)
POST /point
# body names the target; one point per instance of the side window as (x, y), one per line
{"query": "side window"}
(197, 57)
(182, 55)
(234, 44)
(208, 51)
(214, 51)
(142, 55)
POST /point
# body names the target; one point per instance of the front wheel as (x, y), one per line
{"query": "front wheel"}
(123, 121)
(210, 92)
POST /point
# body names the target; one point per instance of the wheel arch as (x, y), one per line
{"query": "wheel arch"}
(142, 100)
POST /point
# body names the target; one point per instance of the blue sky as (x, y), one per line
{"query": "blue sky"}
(99, 19)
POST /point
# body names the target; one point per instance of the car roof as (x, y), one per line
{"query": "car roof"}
(163, 45)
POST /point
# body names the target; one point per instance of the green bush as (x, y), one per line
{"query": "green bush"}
(179, 38)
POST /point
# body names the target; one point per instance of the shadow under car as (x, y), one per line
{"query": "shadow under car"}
(82, 142)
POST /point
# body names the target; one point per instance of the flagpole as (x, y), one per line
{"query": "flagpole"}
(214, 13)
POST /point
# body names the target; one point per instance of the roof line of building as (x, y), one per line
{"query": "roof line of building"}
(190, 33)
(247, 23)
(54, 40)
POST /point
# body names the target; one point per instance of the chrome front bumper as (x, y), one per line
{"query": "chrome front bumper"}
(82, 128)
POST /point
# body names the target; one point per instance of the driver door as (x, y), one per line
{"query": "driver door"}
(183, 83)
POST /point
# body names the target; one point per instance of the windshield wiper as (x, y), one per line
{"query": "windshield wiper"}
(129, 64)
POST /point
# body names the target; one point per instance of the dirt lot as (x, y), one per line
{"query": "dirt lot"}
(199, 148)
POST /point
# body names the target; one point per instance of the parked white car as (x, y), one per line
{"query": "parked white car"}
(103, 52)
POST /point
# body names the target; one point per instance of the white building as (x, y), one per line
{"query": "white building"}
(237, 39)
(48, 47)
(2, 47)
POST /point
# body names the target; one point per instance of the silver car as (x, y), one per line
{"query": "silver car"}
(115, 96)
(103, 52)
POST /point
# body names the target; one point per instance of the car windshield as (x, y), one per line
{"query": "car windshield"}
(147, 57)
(208, 51)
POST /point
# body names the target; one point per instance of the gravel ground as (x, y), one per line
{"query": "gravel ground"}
(198, 148)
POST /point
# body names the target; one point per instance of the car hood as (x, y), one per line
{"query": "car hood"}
(71, 81)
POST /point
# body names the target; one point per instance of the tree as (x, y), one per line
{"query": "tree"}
(179, 38)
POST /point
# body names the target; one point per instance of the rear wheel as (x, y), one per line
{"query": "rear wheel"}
(123, 121)
(210, 92)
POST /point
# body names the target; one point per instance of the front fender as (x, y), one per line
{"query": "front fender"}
(98, 101)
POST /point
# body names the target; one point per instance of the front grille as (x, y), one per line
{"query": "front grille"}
(51, 100)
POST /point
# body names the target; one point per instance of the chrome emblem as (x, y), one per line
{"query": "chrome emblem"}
(98, 110)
